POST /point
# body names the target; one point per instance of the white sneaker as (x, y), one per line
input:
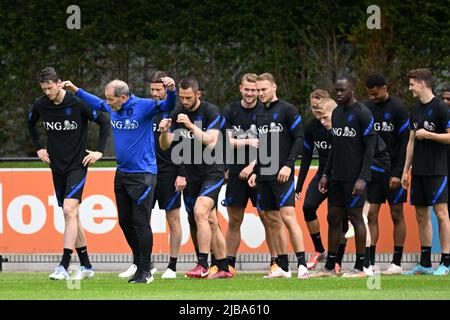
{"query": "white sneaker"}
(169, 274)
(302, 272)
(393, 269)
(368, 271)
(84, 273)
(60, 273)
(129, 272)
(350, 232)
(280, 273)
(153, 269)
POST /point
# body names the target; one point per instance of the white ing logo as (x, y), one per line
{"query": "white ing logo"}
(346, 132)
(273, 127)
(156, 128)
(186, 134)
(322, 145)
(125, 125)
(239, 133)
(384, 126)
(60, 126)
(429, 126)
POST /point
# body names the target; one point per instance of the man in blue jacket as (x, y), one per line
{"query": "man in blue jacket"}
(135, 179)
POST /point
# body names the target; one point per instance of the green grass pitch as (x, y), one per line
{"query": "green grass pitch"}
(245, 286)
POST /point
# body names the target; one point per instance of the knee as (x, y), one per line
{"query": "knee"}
(289, 219)
(421, 217)
(442, 214)
(372, 217)
(397, 217)
(173, 221)
(274, 221)
(235, 222)
(333, 220)
(70, 211)
(357, 221)
(213, 223)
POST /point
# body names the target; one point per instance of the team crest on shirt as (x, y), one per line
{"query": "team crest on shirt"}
(275, 116)
(130, 112)
(68, 111)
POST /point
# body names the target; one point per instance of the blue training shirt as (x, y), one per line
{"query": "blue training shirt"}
(132, 128)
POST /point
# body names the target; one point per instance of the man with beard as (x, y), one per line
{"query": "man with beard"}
(198, 122)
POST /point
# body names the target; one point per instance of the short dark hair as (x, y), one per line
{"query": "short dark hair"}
(157, 76)
(422, 74)
(375, 80)
(189, 82)
(349, 78)
(48, 74)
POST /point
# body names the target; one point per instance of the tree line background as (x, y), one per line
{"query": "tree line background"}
(304, 44)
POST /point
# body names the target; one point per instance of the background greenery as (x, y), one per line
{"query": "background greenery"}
(304, 44)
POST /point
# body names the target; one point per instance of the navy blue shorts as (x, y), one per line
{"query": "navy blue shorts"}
(69, 185)
(428, 190)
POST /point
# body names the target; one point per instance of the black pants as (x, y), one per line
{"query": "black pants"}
(134, 198)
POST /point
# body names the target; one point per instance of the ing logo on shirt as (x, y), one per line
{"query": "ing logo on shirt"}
(344, 132)
(322, 145)
(125, 125)
(239, 133)
(429, 126)
(384, 126)
(60, 126)
(273, 127)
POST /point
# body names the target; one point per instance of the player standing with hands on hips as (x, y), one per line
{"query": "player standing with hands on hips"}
(65, 119)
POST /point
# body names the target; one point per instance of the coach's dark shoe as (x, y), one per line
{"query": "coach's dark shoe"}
(144, 277)
(134, 277)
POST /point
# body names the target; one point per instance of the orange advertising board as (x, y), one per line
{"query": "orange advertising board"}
(32, 222)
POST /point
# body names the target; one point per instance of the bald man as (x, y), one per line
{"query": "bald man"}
(134, 183)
